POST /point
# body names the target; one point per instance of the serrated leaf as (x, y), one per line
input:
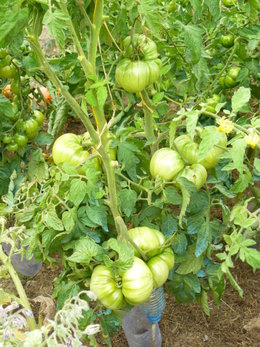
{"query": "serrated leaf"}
(172, 131)
(240, 99)
(69, 219)
(191, 122)
(52, 220)
(128, 201)
(91, 98)
(56, 21)
(84, 250)
(101, 96)
(77, 191)
(214, 8)
(209, 139)
(37, 167)
(190, 263)
(201, 71)
(241, 184)
(98, 215)
(125, 254)
(193, 41)
(236, 154)
(147, 8)
(194, 223)
(180, 244)
(204, 302)
(172, 196)
(203, 239)
(196, 4)
(252, 257)
(224, 191)
(169, 226)
(126, 156)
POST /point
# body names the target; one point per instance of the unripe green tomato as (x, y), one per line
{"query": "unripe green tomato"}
(39, 116)
(30, 126)
(165, 164)
(104, 286)
(227, 40)
(213, 100)
(12, 147)
(233, 72)
(20, 139)
(228, 3)
(167, 256)
(159, 269)
(137, 283)
(230, 82)
(3, 53)
(222, 82)
(188, 149)
(68, 149)
(8, 72)
(7, 138)
(211, 160)
(5, 61)
(195, 173)
(147, 239)
(210, 108)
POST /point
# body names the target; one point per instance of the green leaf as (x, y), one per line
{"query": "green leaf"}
(201, 72)
(147, 8)
(44, 139)
(241, 184)
(196, 4)
(37, 167)
(194, 223)
(191, 263)
(184, 288)
(234, 283)
(98, 215)
(6, 109)
(125, 254)
(101, 96)
(191, 122)
(172, 131)
(209, 139)
(193, 41)
(204, 302)
(169, 226)
(52, 220)
(214, 8)
(251, 256)
(91, 98)
(203, 240)
(180, 244)
(84, 250)
(69, 219)
(13, 20)
(56, 21)
(223, 190)
(128, 201)
(257, 164)
(127, 157)
(236, 154)
(77, 191)
(240, 99)
(172, 196)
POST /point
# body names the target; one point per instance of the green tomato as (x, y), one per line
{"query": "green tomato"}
(30, 126)
(20, 139)
(7, 138)
(8, 72)
(134, 75)
(188, 149)
(104, 286)
(159, 269)
(222, 82)
(228, 3)
(233, 72)
(3, 53)
(195, 173)
(227, 40)
(5, 61)
(137, 283)
(39, 116)
(229, 82)
(168, 257)
(148, 240)
(68, 149)
(12, 147)
(165, 164)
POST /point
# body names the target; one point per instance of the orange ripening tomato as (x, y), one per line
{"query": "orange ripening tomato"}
(7, 92)
(46, 94)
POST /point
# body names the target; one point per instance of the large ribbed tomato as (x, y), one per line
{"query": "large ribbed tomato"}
(160, 265)
(195, 173)
(166, 164)
(140, 66)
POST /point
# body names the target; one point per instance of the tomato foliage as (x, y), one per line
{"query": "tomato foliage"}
(160, 181)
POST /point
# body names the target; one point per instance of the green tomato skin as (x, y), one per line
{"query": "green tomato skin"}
(137, 283)
(196, 173)
(68, 149)
(228, 3)
(39, 116)
(30, 126)
(3, 53)
(103, 285)
(159, 269)
(168, 257)
(188, 149)
(143, 44)
(233, 72)
(12, 147)
(7, 138)
(227, 40)
(20, 139)
(147, 239)
(222, 82)
(166, 164)
(8, 72)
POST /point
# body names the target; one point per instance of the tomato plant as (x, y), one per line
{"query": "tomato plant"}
(165, 95)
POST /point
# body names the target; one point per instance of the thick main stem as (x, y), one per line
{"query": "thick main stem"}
(19, 287)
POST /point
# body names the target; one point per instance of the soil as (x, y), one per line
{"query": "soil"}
(235, 323)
